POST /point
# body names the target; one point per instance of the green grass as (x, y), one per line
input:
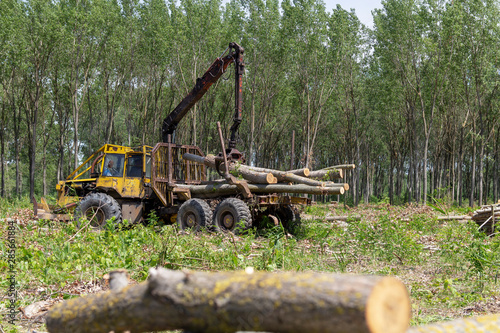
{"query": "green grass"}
(446, 267)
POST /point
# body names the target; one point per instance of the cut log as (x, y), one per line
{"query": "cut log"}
(241, 301)
(300, 172)
(489, 323)
(487, 217)
(250, 173)
(255, 177)
(298, 179)
(214, 190)
(287, 176)
(344, 185)
(454, 217)
(235, 169)
(341, 166)
(327, 174)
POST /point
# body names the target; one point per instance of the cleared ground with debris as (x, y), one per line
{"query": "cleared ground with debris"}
(450, 269)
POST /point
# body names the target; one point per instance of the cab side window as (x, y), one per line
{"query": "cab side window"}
(134, 166)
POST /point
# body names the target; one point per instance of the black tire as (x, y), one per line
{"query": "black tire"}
(289, 218)
(232, 215)
(98, 208)
(194, 214)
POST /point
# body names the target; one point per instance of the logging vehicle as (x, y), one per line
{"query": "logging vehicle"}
(118, 183)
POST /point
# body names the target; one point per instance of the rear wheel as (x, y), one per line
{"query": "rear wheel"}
(232, 215)
(98, 208)
(194, 214)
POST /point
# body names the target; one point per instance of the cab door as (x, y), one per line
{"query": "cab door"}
(133, 185)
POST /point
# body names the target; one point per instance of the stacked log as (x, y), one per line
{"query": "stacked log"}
(487, 217)
(332, 173)
(327, 174)
(217, 189)
(264, 180)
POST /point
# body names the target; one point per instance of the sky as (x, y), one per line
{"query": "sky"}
(363, 8)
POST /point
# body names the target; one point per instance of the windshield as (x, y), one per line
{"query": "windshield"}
(113, 165)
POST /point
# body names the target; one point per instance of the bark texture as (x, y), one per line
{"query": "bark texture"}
(241, 301)
(245, 172)
(327, 174)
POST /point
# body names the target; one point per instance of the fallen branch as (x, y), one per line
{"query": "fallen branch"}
(453, 217)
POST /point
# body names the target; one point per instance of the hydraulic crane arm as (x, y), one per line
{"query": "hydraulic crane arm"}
(201, 87)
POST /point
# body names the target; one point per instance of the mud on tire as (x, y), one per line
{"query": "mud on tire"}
(232, 215)
(194, 214)
(98, 208)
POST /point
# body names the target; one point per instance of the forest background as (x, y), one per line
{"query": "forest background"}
(413, 102)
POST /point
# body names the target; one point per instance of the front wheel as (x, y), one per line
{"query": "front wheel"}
(194, 214)
(98, 208)
(232, 215)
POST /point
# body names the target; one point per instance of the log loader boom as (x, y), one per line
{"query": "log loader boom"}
(202, 85)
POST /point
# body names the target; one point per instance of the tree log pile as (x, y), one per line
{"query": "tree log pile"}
(241, 301)
(488, 217)
(263, 180)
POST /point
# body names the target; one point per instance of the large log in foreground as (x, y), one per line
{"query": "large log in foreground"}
(215, 190)
(241, 301)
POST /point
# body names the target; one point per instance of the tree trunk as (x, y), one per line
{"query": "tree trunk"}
(32, 120)
(496, 169)
(473, 168)
(460, 166)
(44, 171)
(17, 120)
(241, 301)
(426, 153)
(391, 181)
(481, 172)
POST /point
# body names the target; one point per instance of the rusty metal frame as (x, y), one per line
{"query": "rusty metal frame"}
(168, 169)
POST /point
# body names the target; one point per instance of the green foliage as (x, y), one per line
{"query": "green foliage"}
(420, 87)
(447, 267)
